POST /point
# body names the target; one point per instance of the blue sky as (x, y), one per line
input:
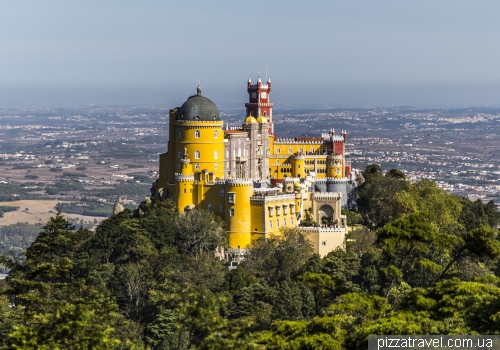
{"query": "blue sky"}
(319, 53)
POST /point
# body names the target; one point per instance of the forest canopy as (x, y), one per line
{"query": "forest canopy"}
(419, 261)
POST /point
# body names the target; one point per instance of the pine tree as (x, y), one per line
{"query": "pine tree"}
(58, 309)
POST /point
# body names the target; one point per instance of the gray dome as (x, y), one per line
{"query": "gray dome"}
(198, 107)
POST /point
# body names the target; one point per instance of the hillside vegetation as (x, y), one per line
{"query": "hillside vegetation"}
(423, 262)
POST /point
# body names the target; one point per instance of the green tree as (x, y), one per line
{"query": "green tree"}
(198, 231)
(481, 242)
(357, 309)
(437, 205)
(255, 304)
(59, 311)
(321, 286)
(320, 333)
(376, 197)
(158, 219)
(292, 302)
(343, 267)
(238, 279)
(360, 240)
(476, 214)
(279, 257)
(353, 218)
(205, 272)
(404, 243)
(396, 174)
(308, 220)
(9, 318)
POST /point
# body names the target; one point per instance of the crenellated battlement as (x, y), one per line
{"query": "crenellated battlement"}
(291, 179)
(333, 180)
(330, 196)
(327, 229)
(215, 182)
(292, 141)
(239, 182)
(266, 197)
(184, 178)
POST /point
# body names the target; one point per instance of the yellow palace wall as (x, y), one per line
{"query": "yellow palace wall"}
(282, 162)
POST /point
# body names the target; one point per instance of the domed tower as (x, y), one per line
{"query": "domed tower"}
(195, 127)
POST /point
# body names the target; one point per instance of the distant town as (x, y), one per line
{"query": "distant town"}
(74, 154)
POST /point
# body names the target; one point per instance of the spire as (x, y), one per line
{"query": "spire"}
(258, 77)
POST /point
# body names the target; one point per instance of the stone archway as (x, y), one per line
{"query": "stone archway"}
(325, 214)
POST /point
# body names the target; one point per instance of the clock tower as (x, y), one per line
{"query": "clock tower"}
(258, 101)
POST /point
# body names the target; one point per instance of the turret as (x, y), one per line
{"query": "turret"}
(334, 166)
(298, 165)
(184, 184)
(238, 214)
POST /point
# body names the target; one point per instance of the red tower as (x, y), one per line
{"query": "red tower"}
(258, 101)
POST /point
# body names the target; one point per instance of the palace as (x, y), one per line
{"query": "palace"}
(256, 182)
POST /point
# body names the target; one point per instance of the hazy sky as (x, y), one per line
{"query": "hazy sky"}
(319, 53)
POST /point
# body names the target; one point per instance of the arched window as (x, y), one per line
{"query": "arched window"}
(289, 151)
(270, 223)
(209, 207)
(221, 207)
(197, 166)
(196, 154)
(216, 154)
(284, 222)
(216, 134)
(291, 221)
(179, 154)
(221, 192)
(179, 134)
(231, 212)
(265, 114)
(197, 134)
(277, 223)
(278, 150)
